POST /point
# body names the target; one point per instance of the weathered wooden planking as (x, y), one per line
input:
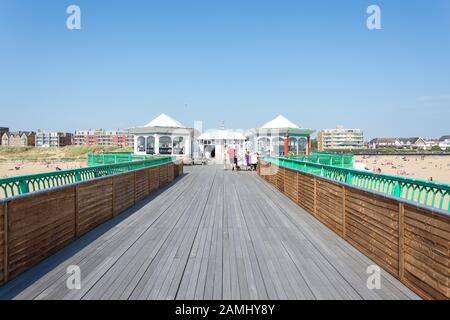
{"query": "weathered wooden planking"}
(142, 188)
(163, 178)
(2, 242)
(170, 172)
(38, 226)
(94, 204)
(291, 185)
(306, 192)
(427, 252)
(124, 196)
(153, 178)
(329, 206)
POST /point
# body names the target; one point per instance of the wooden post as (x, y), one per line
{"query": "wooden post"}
(134, 187)
(344, 220)
(76, 213)
(315, 197)
(401, 239)
(5, 239)
(113, 197)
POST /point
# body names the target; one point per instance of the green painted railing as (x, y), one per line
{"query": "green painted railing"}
(344, 161)
(18, 185)
(420, 191)
(113, 158)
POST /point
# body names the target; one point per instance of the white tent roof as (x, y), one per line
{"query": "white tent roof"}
(219, 134)
(163, 120)
(279, 122)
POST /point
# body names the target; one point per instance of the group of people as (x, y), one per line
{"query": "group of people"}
(250, 160)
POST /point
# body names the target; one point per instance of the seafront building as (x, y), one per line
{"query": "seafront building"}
(340, 138)
(164, 136)
(53, 139)
(19, 139)
(278, 137)
(100, 137)
(214, 143)
(2, 131)
(444, 142)
(398, 143)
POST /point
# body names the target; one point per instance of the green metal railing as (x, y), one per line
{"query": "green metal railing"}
(344, 161)
(113, 158)
(18, 185)
(420, 191)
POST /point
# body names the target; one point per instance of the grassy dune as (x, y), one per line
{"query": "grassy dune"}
(69, 153)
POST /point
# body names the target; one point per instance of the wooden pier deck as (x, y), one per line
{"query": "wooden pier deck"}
(212, 234)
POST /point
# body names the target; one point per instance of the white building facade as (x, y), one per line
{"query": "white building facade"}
(280, 137)
(213, 144)
(163, 136)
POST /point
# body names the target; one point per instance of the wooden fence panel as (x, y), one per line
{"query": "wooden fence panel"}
(142, 188)
(153, 179)
(411, 243)
(2, 242)
(280, 178)
(170, 173)
(163, 179)
(330, 205)
(38, 226)
(94, 203)
(372, 226)
(291, 185)
(305, 192)
(123, 192)
(427, 252)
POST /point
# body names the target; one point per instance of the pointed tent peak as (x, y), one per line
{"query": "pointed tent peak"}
(279, 122)
(163, 120)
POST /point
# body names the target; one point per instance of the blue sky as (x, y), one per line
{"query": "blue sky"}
(238, 61)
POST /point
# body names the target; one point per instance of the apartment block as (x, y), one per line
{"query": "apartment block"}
(100, 137)
(53, 139)
(340, 138)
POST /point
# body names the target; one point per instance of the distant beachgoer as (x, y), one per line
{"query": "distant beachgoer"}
(231, 155)
(247, 160)
(254, 160)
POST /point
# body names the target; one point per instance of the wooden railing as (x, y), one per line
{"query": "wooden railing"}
(35, 225)
(409, 240)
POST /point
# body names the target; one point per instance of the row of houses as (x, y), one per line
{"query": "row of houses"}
(412, 143)
(60, 139)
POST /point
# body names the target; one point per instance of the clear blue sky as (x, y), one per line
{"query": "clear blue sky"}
(240, 61)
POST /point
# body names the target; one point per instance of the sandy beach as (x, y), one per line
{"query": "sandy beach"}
(412, 166)
(19, 167)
